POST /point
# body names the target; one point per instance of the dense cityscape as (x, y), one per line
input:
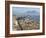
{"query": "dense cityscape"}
(26, 23)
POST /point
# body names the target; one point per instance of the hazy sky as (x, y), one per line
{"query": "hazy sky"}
(25, 11)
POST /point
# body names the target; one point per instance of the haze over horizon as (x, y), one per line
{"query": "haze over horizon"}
(21, 11)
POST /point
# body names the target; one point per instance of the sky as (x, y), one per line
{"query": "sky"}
(21, 11)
